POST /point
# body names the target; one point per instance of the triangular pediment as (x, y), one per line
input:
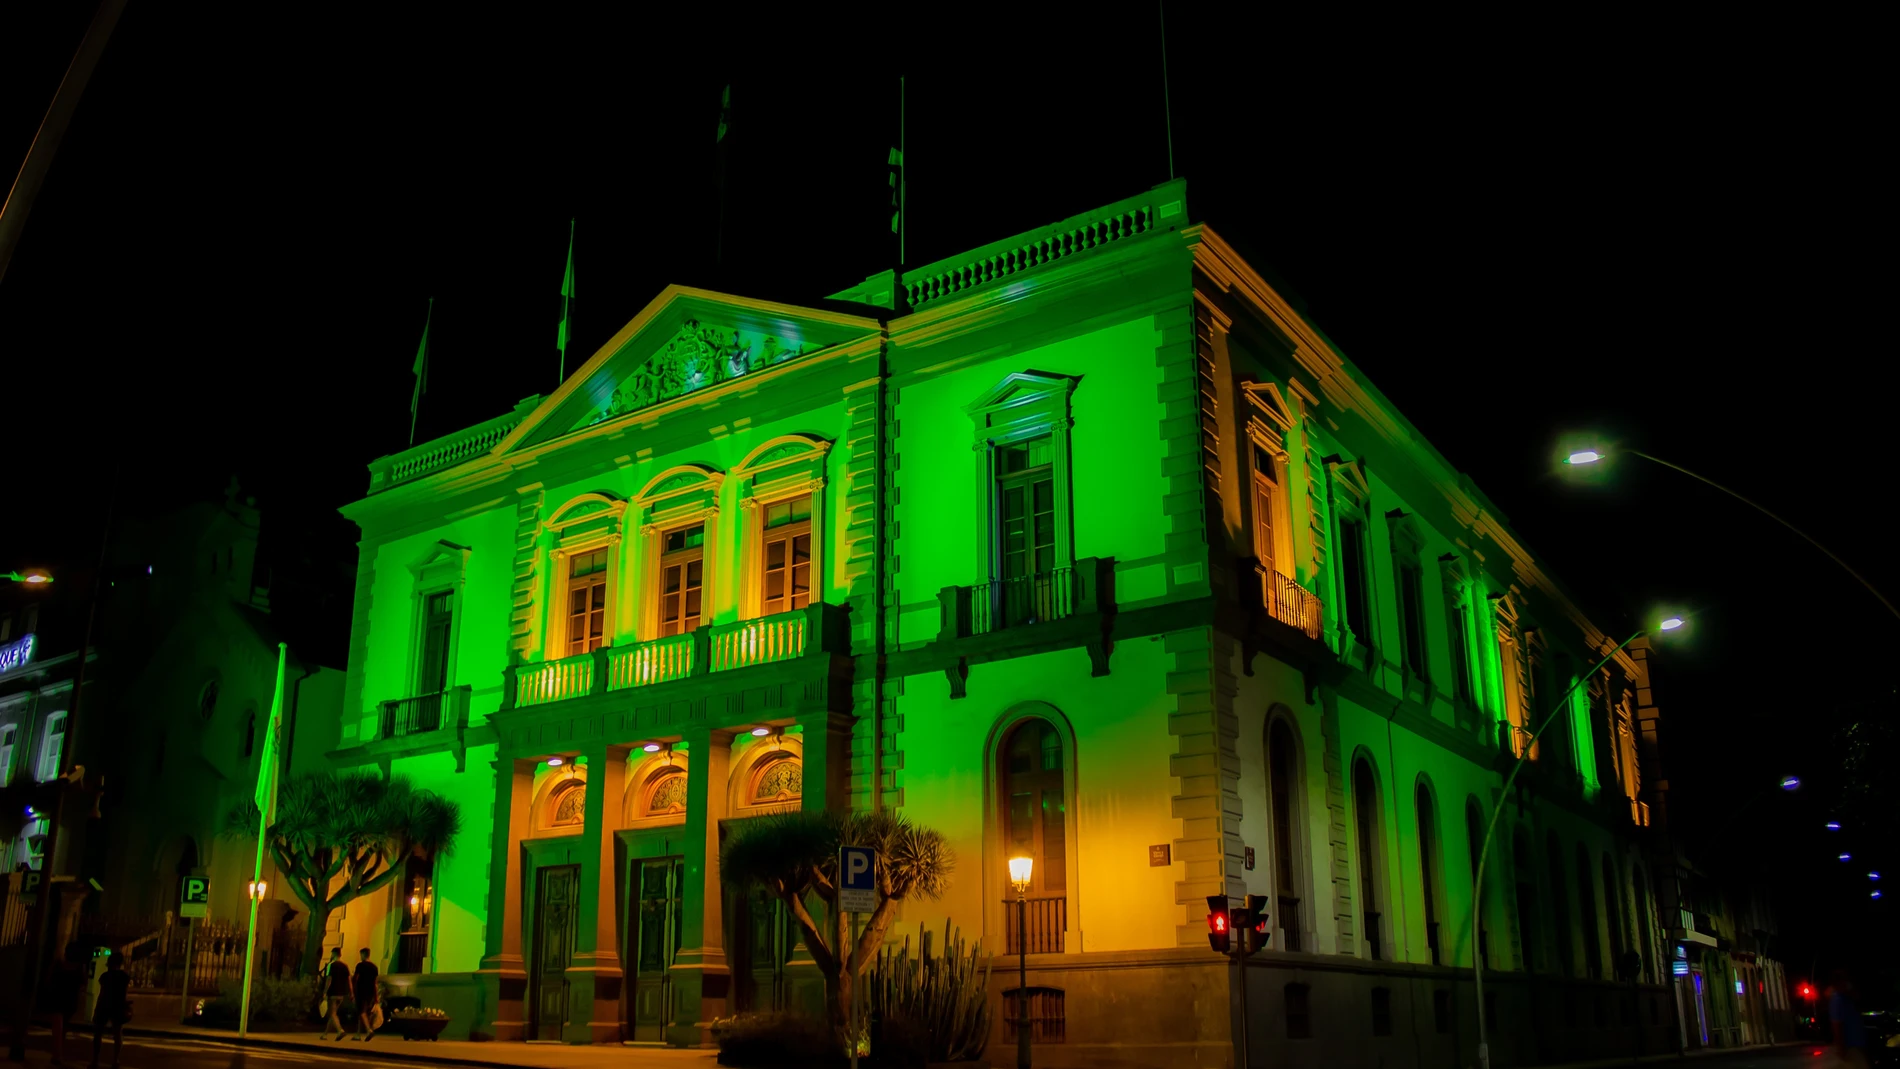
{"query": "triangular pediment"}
(1267, 400)
(685, 342)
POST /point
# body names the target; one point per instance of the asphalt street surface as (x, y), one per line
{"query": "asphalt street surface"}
(144, 1053)
(153, 1053)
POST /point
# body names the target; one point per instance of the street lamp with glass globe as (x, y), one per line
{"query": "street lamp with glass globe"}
(1019, 872)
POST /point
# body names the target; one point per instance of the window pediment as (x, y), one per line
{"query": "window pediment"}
(1266, 402)
(683, 488)
(586, 516)
(1024, 402)
(1349, 478)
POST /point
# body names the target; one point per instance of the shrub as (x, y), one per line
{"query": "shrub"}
(273, 1002)
(774, 1039)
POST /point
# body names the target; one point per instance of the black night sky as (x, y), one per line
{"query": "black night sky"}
(1668, 234)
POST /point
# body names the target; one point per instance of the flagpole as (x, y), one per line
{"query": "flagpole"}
(1167, 108)
(567, 300)
(267, 788)
(903, 176)
(421, 372)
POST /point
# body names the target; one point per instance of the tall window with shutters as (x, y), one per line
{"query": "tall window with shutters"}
(586, 601)
(438, 618)
(1284, 794)
(682, 579)
(1354, 590)
(7, 735)
(1371, 836)
(1026, 508)
(52, 747)
(1272, 537)
(1035, 814)
(786, 582)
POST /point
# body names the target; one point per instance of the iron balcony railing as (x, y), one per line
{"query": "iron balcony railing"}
(1046, 919)
(424, 713)
(1289, 602)
(1029, 600)
(817, 629)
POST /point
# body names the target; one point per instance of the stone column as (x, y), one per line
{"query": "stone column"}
(504, 974)
(827, 775)
(593, 973)
(700, 974)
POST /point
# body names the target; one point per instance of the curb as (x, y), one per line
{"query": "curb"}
(1679, 1056)
(389, 1053)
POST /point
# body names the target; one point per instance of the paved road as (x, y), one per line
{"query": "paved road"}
(153, 1053)
(143, 1053)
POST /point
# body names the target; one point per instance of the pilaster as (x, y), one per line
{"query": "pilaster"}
(1206, 766)
(504, 974)
(594, 973)
(1338, 849)
(701, 976)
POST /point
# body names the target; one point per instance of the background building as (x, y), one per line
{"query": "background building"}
(1083, 544)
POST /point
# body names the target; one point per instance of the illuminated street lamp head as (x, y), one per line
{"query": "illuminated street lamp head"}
(1873, 875)
(759, 733)
(32, 576)
(1789, 783)
(1583, 456)
(1847, 857)
(1876, 894)
(1670, 623)
(1834, 825)
(651, 747)
(555, 762)
(1019, 870)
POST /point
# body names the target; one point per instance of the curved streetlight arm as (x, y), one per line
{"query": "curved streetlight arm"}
(1477, 878)
(1809, 539)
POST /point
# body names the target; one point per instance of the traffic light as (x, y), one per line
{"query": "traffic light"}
(1218, 935)
(1257, 921)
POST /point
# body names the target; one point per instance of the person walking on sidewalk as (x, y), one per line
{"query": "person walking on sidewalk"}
(336, 991)
(113, 1008)
(1843, 1009)
(369, 1011)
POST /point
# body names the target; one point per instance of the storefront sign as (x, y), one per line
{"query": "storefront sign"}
(16, 654)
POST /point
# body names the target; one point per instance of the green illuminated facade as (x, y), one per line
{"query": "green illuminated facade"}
(1097, 552)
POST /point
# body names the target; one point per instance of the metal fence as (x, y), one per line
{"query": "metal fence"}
(155, 951)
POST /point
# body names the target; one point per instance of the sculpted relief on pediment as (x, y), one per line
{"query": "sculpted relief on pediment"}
(698, 356)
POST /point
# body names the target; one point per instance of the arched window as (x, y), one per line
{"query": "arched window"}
(666, 796)
(1587, 915)
(1613, 912)
(1640, 884)
(1560, 910)
(1428, 862)
(1474, 839)
(1529, 930)
(1035, 815)
(568, 807)
(1371, 834)
(1285, 792)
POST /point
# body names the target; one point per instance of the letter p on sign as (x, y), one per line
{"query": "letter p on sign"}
(857, 879)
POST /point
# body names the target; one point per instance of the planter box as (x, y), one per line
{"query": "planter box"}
(417, 1028)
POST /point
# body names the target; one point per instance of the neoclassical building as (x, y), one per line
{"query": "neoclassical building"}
(1083, 544)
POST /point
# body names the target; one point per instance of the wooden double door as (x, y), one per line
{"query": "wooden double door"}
(761, 936)
(654, 929)
(556, 911)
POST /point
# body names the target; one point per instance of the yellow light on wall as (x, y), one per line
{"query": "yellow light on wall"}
(259, 889)
(1019, 872)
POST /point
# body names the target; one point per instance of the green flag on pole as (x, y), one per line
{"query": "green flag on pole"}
(421, 371)
(567, 299)
(267, 766)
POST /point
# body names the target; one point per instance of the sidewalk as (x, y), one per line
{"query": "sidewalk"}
(457, 1052)
(1684, 1056)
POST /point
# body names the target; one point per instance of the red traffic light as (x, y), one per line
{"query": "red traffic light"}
(1219, 939)
(1217, 923)
(1807, 990)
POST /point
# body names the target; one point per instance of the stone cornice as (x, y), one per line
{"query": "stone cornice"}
(1343, 388)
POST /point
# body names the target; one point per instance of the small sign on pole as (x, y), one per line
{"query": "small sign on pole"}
(857, 879)
(194, 896)
(29, 887)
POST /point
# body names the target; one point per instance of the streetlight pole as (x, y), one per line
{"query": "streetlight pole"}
(1591, 456)
(1019, 871)
(1477, 879)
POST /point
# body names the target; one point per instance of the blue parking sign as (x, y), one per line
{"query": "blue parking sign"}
(857, 879)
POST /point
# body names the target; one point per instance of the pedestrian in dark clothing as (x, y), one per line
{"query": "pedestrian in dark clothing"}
(1850, 1036)
(363, 985)
(336, 991)
(113, 1009)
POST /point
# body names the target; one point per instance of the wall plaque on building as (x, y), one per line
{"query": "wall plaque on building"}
(1160, 855)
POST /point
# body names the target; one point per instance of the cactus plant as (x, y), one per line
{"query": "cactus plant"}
(946, 995)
